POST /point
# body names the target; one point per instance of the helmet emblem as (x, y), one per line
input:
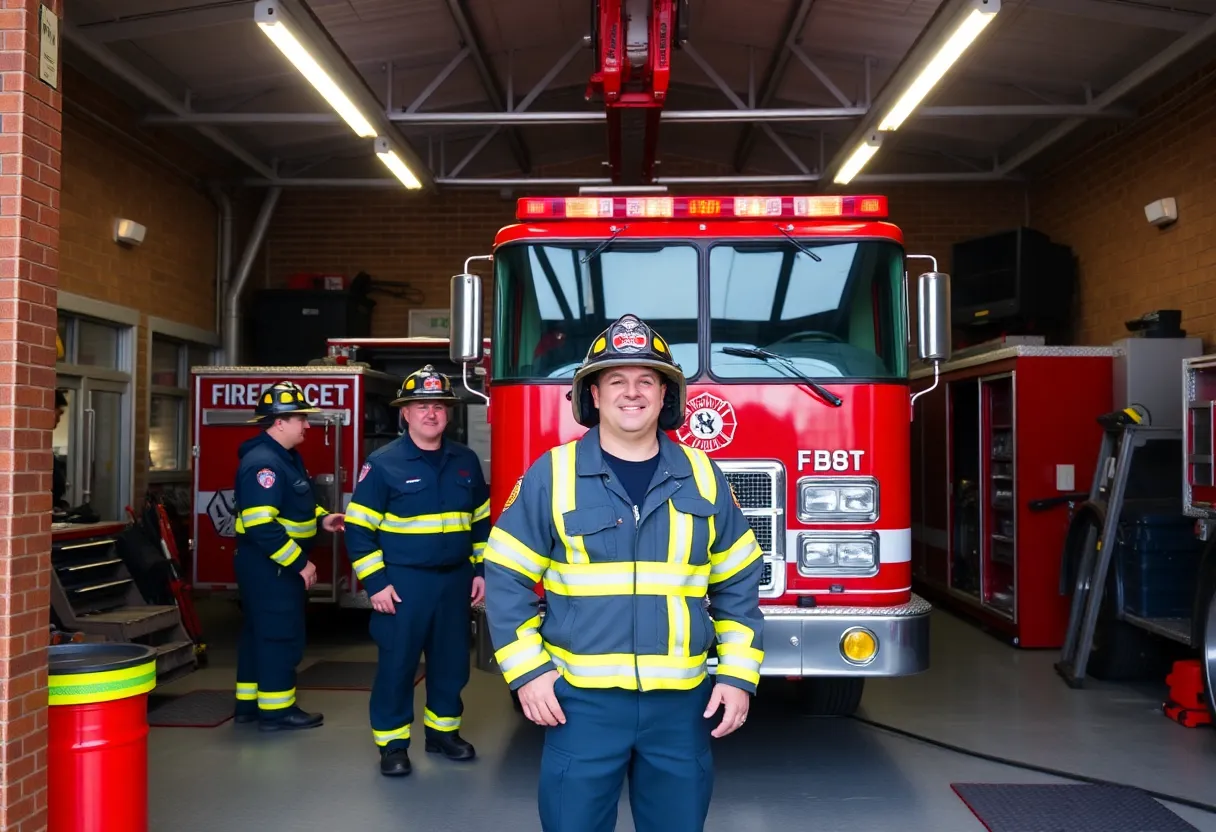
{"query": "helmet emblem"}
(709, 423)
(432, 383)
(629, 335)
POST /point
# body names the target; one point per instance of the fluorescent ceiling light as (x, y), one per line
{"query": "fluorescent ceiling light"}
(853, 165)
(271, 20)
(981, 13)
(393, 162)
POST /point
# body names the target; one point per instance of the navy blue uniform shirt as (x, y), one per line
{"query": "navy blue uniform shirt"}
(276, 506)
(408, 511)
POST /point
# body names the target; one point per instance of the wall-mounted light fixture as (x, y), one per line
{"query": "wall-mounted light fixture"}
(278, 26)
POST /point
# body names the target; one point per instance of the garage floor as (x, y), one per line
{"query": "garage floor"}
(782, 771)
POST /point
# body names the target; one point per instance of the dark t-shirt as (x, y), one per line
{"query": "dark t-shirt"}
(432, 457)
(634, 476)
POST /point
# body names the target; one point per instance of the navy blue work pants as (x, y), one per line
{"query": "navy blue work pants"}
(432, 620)
(273, 634)
(659, 739)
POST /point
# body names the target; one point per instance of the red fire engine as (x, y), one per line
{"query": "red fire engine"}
(352, 386)
(790, 317)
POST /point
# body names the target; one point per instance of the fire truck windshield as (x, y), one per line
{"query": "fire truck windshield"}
(837, 314)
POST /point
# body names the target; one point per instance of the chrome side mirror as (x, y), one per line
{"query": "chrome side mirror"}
(933, 316)
(464, 322)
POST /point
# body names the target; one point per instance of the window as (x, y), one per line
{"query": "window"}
(553, 300)
(169, 402)
(831, 309)
(93, 435)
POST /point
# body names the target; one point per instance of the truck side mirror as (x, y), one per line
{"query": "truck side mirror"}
(464, 323)
(933, 316)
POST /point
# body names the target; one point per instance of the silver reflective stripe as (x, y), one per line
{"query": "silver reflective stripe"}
(427, 524)
(287, 553)
(741, 662)
(525, 654)
(250, 515)
(357, 513)
(734, 637)
(384, 737)
(271, 699)
(653, 672)
(673, 581)
(742, 555)
(676, 613)
(482, 512)
(366, 565)
(507, 553)
(594, 670)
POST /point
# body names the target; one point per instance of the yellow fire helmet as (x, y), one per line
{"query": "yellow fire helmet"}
(425, 385)
(283, 398)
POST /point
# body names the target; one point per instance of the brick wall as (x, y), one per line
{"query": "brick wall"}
(1095, 203)
(424, 240)
(29, 238)
(115, 168)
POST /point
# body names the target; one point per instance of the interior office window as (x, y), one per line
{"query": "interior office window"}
(169, 424)
(92, 438)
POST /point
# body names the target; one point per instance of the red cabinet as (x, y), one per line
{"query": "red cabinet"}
(1002, 429)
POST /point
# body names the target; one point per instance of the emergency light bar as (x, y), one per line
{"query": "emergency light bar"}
(702, 207)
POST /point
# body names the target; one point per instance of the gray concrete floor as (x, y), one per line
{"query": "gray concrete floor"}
(783, 771)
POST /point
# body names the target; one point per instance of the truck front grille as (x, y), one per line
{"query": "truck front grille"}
(759, 488)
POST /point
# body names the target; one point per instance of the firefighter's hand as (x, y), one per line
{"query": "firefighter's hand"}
(736, 702)
(479, 590)
(540, 702)
(309, 574)
(334, 522)
(383, 600)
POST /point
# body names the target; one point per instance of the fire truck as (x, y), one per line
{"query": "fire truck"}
(352, 386)
(790, 316)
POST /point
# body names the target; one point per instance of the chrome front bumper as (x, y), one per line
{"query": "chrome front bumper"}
(805, 641)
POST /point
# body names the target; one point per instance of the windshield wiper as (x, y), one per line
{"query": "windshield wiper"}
(595, 252)
(799, 245)
(765, 355)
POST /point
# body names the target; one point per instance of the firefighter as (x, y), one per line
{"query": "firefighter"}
(276, 519)
(416, 529)
(630, 533)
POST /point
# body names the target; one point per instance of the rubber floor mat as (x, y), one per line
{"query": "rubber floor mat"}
(1022, 807)
(196, 709)
(342, 676)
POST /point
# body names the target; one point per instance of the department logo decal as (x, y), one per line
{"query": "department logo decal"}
(630, 335)
(266, 478)
(514, 493)
(432, 383)
(222, 514)
(365, 470)
(709, 423)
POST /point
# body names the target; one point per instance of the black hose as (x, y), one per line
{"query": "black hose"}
(993, 758)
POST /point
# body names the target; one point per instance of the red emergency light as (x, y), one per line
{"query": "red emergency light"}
(702, 207)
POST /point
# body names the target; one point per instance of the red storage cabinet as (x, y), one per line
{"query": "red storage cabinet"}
(1003, 428)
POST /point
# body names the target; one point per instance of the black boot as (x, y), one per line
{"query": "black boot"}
(245, 716)
(449, 744)
(293, 719)
(394, 762)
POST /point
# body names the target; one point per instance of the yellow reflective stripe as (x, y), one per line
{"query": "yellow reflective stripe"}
(703, 473)
(256, 516)
(506, 551)
(479, 553)
(385, 737)
(321, 512)
(286, 554)
(627, 578)
(564, 478)
(737, 557)
(449, 521)
(523, 655)
(440, 723)
(606, 670)
(737, 655)
(678, 624)
(369, 564)
(247, 691)
(679, 535)
(101, 686)
(299, 528)
(363, 516)
(276, 700)
(482, 512)
(671, 672)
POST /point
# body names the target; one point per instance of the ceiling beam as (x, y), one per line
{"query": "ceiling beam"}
(1143, 73)
(771, 82)
(1121, 11)
(112, 63)
(489, 79)
(154, 24)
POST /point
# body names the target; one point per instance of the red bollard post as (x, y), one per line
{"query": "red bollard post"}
(97, 743)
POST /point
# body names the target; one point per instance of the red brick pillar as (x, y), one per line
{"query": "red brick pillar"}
(29, 271)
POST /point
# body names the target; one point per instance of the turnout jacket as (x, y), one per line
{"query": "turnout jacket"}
(405, 512)
(625, 593)
(276, 507)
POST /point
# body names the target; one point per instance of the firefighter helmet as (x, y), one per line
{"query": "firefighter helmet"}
(425, 385)
(629, 342)
(284, 398)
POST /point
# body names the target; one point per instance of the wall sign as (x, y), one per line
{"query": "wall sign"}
(48, 51)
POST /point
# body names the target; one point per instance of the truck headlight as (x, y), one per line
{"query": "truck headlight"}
(837, 552)
(838, 500)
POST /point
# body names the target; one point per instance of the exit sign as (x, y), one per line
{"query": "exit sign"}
(432, 323)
